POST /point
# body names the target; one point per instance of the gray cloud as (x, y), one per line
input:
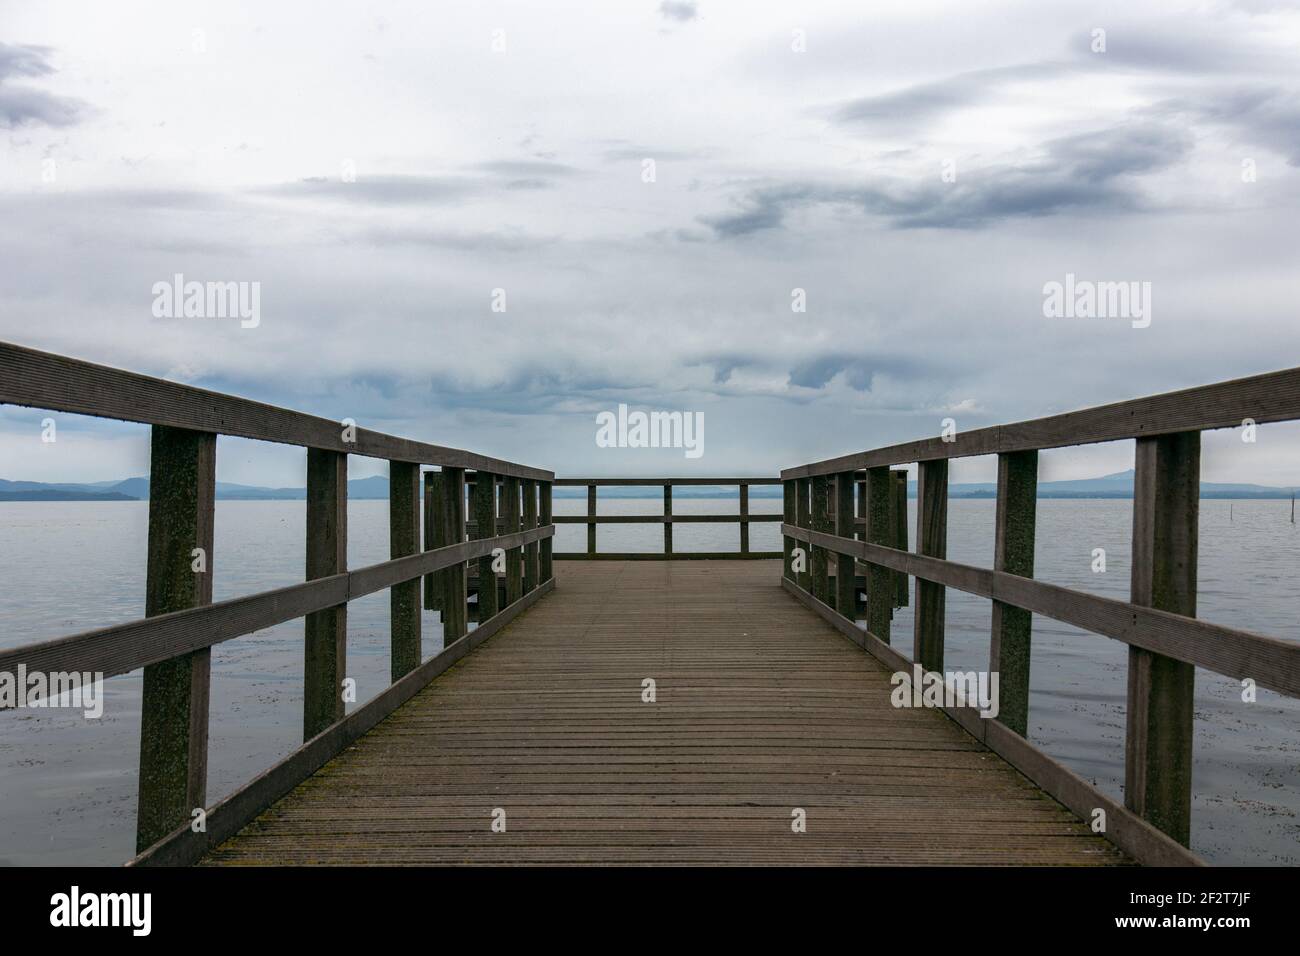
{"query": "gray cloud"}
(1083, 172)
(26, 106)
(679, 10)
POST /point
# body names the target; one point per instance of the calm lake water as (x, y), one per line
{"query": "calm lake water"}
(67, 785)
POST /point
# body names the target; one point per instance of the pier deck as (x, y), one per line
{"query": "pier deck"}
(761, 709)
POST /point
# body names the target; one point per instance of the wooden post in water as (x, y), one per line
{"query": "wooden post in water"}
(325, 632)
(744, 515)
(485, 526)
(789, 490)
(668, 525)
(1158, 739)
(803, 498)
(514, 556)
(931, 540)
(591, 513)
(880, 580)
(449, 528)
(532, 553)
(547, 518)
(845, 567)
(174, 706)
(1009, 652)
(403, 539)
(820, 486)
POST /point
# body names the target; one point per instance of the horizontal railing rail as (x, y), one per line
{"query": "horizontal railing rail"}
(1158, 623)
(591, 519)
(511, 504)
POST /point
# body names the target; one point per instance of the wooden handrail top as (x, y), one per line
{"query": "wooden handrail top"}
(1271, 397)
(36, 379)
(660, 482)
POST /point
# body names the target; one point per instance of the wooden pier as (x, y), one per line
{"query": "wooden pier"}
(533, 736)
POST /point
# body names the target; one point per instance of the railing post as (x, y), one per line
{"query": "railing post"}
(899, 515)
(931, 540)
(1158, 738)
(514, 556)
(485, 526)
(820, 522)
(668, 513)
(448, 529)
(744, 519)
(325, 632)
(1014, 553)
(430, 537)
(591, 513)
(403, 539)
(846, 591)
(547, 518)
(880, 579)
(532, 553)
(789, 489)
(861, 485)
(174, 706)
(803, 498)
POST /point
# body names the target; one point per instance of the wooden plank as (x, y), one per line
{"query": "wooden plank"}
(1123, 828)
(880, 579)
(44, 380)
(932, 540)
(846, 596)
(325, 632)
(760, 711)
(403, 540)
(183, 847)
(1161, 689)
(1009, 652)
(668, 525)
(485, 522)
(174, 704)
(532, 557)
(512, 518)
(449, 529)
(744, 519)
(1272, 397)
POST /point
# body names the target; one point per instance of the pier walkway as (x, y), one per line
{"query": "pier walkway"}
(760, 710)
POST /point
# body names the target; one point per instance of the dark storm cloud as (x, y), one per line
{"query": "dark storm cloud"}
(22, 105)
(1088, 171)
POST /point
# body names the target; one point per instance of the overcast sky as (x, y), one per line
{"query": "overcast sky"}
(214, 140)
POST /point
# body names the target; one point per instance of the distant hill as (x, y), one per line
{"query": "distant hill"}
(375, 488)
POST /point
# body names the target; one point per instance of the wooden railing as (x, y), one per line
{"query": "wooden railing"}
(591, 519)
(1166, 642)
(173, 642)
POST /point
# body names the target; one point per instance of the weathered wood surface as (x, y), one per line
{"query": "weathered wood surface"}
(761, 708)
